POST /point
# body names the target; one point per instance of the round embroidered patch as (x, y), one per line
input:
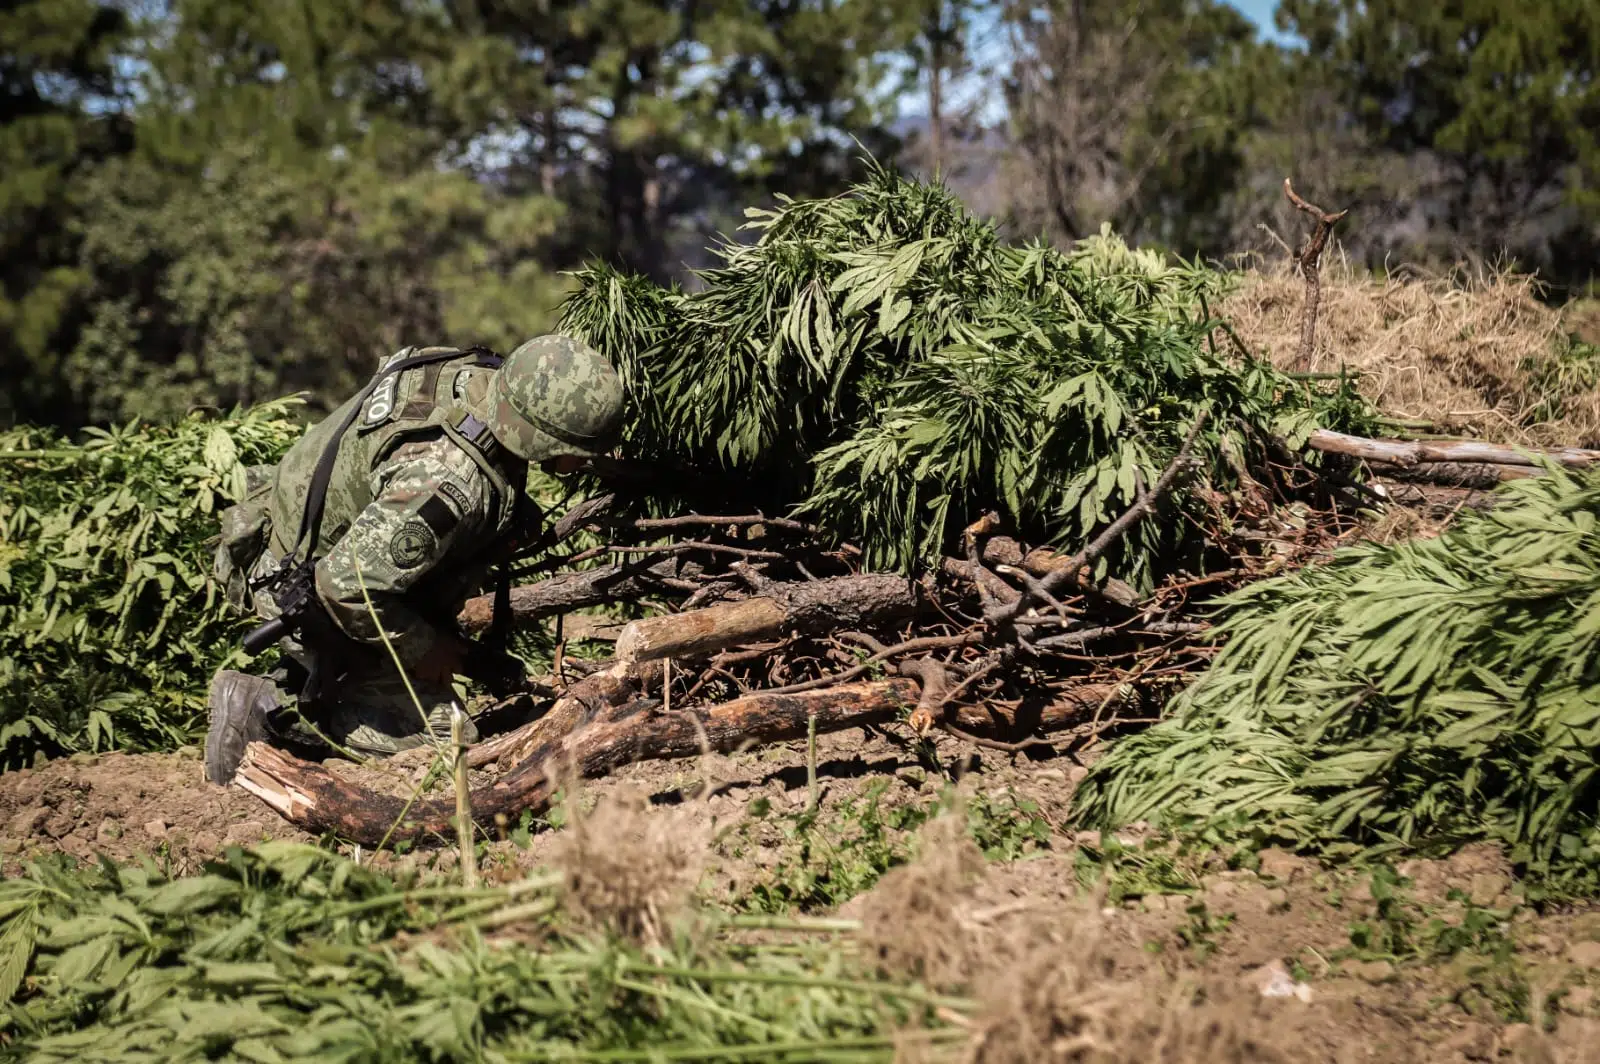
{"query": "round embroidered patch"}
(412, 545)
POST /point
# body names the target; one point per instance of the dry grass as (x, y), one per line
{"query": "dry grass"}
(1475, 354)
(917, 921)
(1058, 986)
(629, 870)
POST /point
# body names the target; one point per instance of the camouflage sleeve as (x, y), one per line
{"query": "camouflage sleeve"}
(429, 502)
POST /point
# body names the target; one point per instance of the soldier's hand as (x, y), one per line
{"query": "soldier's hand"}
(444, 660)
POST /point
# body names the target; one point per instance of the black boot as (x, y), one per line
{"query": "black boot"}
(240, 706)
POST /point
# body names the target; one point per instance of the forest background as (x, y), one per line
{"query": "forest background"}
(216, 202)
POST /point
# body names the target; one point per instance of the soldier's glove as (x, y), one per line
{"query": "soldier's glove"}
(443, 661)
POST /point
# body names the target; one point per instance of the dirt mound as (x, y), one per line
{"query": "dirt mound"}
(1471, 353)
(126, 806)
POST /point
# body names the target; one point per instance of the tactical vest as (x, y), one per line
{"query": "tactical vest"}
(415, 402)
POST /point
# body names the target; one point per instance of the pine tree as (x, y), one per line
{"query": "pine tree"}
(1500, 99)
(302, 200)
(58, 117)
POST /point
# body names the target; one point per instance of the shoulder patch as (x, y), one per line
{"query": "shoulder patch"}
(456, 495)
(380, 405)
(412, 545)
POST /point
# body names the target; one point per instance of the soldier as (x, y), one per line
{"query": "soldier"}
(420, 488)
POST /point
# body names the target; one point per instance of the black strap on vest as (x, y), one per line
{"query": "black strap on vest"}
(317, 493)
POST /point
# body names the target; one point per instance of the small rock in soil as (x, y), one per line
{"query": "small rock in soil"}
(1584, 954)
(1476, 1042)
(27, 822)
(155, 828)
(1369, 971)
(1281, 865)
(1274, 981)
(1487, 888)
(1516, 1036)
(1578, 1000)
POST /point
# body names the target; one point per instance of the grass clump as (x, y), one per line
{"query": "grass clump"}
(1411, 697)
(109, 624)
(885, 364)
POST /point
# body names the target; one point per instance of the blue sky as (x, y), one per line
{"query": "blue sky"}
(1260, 12)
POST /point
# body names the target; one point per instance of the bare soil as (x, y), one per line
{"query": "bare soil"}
(1060, 968)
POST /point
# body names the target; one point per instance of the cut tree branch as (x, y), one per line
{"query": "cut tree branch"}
(1408, 453)
(1004, 617)
(1310, 263)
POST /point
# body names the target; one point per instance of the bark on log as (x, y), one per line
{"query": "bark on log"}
(844, 602)
(1480, 475)
(1418, 452)
(592, 698)
(1072, 706)
(309, 795)
(575, 591)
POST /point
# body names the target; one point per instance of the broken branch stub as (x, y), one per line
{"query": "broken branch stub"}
(1309, 262)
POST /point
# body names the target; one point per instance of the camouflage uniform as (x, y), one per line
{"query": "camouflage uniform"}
(425, 487)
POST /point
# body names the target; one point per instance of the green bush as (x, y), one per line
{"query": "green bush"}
(109, 625)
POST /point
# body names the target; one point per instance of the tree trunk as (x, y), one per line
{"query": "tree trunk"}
(313, 798)
(576, 591)
(1481, 475)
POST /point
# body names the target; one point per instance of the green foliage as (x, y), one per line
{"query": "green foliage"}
(1414, 696)
(109, 627)
(884, 363)
(289, 953)
(1489, 108)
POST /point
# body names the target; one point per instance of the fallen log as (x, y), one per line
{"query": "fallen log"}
(867, 600)
(313, 798)
(318, 801)
(1407, 453)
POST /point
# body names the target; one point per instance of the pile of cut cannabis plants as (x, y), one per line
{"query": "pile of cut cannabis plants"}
(884, 363)
(959, 483)
(1400, 698)
(288, 952)
(109, 628)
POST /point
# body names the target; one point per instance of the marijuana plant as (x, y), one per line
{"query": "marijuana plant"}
(884, 363)
(1410, 696)
(109, 627)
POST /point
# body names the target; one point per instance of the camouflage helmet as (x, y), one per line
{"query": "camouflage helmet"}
(555, 396)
